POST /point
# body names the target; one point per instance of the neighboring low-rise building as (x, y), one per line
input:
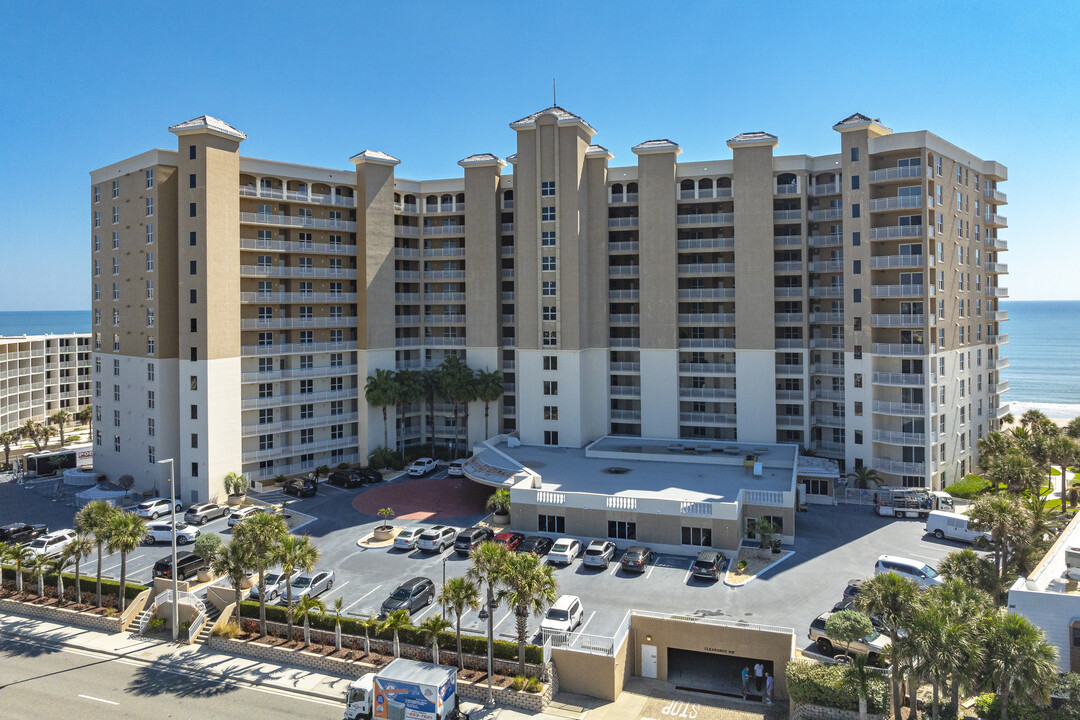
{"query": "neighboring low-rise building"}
(42, 374)
(1050, 597)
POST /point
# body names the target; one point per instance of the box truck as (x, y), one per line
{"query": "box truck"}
(405, 690)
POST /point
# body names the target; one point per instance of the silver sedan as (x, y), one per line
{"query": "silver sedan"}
(312, 584)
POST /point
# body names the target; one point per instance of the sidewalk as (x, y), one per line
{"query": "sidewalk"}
(202, 661)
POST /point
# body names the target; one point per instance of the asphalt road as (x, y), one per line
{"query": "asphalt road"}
(42, 681)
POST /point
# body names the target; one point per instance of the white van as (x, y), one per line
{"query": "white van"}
(954, 526)
(916, 570)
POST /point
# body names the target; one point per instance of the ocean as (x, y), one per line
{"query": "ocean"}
(1043, 350)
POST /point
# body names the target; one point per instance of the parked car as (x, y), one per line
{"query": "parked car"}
(345, 479)
(162, 532)
(189, 563)
(436, 538)
(412, 595)
(245, 512)
(562, 617)
(916, 570)
(468, 539)
(205, 512)
(275, 587)
(873, 644)
(369, 475)
(155, 508)
(852, 590)
(311, 584)
(456, 468)
(636, 558)
(599, 553)
(536, 544)
(564, 551)
(954, 526)
(512, 540)
(52, 544)
(422, 466)
(709, 565)
(21, 532)
(849, 604)
(407, 538)
(300, 487)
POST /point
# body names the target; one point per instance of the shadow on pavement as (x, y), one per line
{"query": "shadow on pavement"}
(170, 676)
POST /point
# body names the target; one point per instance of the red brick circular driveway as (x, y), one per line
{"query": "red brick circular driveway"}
(430, 499)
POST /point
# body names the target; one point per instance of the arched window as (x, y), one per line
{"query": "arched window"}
(705, 188)
(432, 202)
(631, 188)
(617, 192)
(460, 198)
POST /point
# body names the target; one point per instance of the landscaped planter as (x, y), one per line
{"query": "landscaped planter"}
(500, 519)
(384, 533)
(112, 624)
(235, 500)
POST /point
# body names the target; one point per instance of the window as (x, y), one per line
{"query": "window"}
(307, 362)
(191, 238)
(266, 442)
(149, 207)
(116, 443)
(854, 154)
(151, 454)
(551, 412)
(149, 290)
(193, 382)
(547, 238)
(115, 215)
(856, 295)
(149, 179)
(856, 267)
(938, 164)
(116, 368)
(97, 243)
(308, 386)
(854, 182)
(776, 521)
(193, 324)
(97, 218)
(193, 266)
(151, 427)
(116, 241)
(150, 345)
(97, 365)
(193, 296)
(191, 180)
(547, 188)
(551, 387)
(551, 437)
(266, 416)
(337, 432)
(150, 399)
(547, 213)
(857, 352)
(622, 530)
(97, 270)
(857, 380)
(551, 362)
(307, 436)
(149, 234)
(116, 418)
(97, 316)
(194, 440)
(116, 266)
(858, 409)
(149, 262)
(858, 437)
(856, 322)
(551, 523)
(337, 407)
(336, 383)
(116, 188)
(551, 338)
(194, 354)
(701, 537)
(856, 211)
(97, 194)
(116, 343)
(549, 313)
(194, 469)
(548, 263)
(192, 210)
(97, 390)
(307, 411)
(191, 152)
(194, 412)
(549, 288)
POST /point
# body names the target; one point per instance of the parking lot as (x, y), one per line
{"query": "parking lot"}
(833, 545)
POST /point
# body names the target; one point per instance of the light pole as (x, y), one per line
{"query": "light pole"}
(443, 582)
(175, 583)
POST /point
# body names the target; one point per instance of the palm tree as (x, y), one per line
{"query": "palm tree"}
(974, 571)
(1063, 451)
(891, 599)
(429, 381)
(529, 587)
(992, 446)
(1032, 420)
(85, 416)
(58, 564)
(339, 607)
(369, 624)
(304, 609)
(93, 521)
(7, 439)
(1005, 519)
(38, 565)
(1073, 428)
(124, 534)
(233, 561)
(456, 385)
(485, 568)
(1018, 659)
(458, 595)
(431, 629)
(396, 622)
(294, 553)
(5, 553)
(942, 644)
(79, 549)
(60, 418)
(381, 392)
(857, 673)
(1016, 469)
(260, 535)
(968, 608)
(32, 431)
(20, 556)
(862, 476)
(409, 389)
(489, 388)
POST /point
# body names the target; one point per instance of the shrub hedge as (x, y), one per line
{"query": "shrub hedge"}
(502, 649)
(968, 487)
(88, 582)
(821, 684)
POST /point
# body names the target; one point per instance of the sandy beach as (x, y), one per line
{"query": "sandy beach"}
(1060, 413)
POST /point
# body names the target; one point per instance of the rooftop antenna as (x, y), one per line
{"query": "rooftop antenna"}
(554, 101)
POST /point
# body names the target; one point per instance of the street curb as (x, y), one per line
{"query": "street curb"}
(762, 571)
(196, 672)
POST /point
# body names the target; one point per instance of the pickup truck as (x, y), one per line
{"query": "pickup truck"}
(872, 645)
(21, 532)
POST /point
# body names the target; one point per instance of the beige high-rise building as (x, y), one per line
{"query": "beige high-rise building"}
(41, 375)
(846, 302)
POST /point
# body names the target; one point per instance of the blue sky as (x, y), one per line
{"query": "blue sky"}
(83, 85)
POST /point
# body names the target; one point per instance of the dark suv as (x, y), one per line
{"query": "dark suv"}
(300, 487)
(709, 565)
(411, 595)
(345, 479)
(189, 563)
(469, 538)
(21, 532)
(369, 475)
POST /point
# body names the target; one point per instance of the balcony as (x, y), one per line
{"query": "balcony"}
(716, 394)
(448, 341)
(706, 343)
(898, 467)
(285, 323)
(820, 343)
(699, 418)
(826, 266)
(787, 241)
(706, 318)
(999, 363)
(902, 349)
(995, 196)
(787, 215)
(506, 250)
(320, 371)
(624, 367)
(407, 230)
(717, 243)
(896, 232)
(993, 243)
(507, 227)
(788, 266)
(406, 319)
(623, 270)
(997, 292)
(997, 339)
(444, 319)
(707, 269)
(897, 320)
(623, 246)
(995, 220)
(406, 253)
(622, 222)
(786, 318)
(451, 274)
(882, 407)
(444, 230)
(718, 293)
(624, 319)
(786, 189)
(998, 388)
(789, 369)
(826, 318)
(827, 291)
(897, 202)
(999, 412)
(624, 197)
(786, 395)
(788, 343)
(444, 252)
(890, 262)
(901, 379)
(996, 267)
(624, 342)
(297, 221)
(284, 451)
(834, 369)
(627, 294)
(626, 415)
(407, 342)
(703, 369)
(446, 207)
(788, 292)
(897, 291)
(997, 315)
(906, 172)
(826, 214)
(290, 246)
(825, 189)
(507, 296)
(706, 219)
(297, 424)
(508, 319)
(308, 197)
(835, 421)
(442, 297)
(827, 394)
(302, 272)
(704, 193)
(624, 391)
(297, 297)
(407, 275)
(826, 241)
(406, 297)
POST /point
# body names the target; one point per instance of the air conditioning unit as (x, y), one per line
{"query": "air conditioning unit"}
(1072, 562)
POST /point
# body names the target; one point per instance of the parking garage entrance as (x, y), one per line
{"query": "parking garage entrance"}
(711, 673)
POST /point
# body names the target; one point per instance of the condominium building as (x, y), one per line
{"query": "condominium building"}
(846, 302)
(42, 374)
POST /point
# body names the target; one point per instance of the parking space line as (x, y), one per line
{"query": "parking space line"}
(614, 569)
(426, 610)
(503, 619)
(648, 573)
(362, 597)
(686, 578)
(136, 572)
(334, 589)
(586, 623)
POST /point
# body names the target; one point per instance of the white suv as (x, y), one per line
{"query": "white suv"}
(437, 538)
(155, 508)
(563, 616)
(916, 570)
(162, 532)
(52, 544)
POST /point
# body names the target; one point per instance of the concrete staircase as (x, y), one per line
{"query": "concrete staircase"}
(212, 614)
(140, 620)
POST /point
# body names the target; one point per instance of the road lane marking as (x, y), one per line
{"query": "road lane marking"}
(586, 623)
(362, 597)
(501, 621)
(90, 697)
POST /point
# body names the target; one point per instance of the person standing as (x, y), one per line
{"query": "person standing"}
(745, 681)
(759, 672)
(768, 688)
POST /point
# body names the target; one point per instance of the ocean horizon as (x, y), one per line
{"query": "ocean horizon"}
(1043, 349)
